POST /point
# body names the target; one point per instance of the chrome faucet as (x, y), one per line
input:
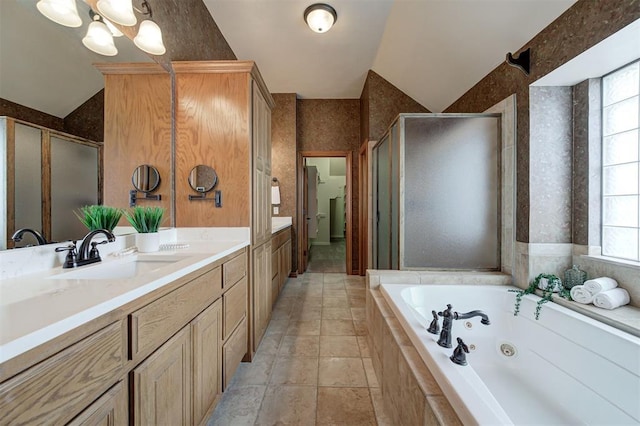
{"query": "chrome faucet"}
(17, 236)
(447, 323)
(85, 255)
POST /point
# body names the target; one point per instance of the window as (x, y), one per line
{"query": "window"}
(621, 163)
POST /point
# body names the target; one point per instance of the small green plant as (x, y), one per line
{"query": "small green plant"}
(99, 217)
(145, 219)
(547, 292)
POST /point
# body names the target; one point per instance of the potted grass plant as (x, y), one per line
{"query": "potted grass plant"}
(146, 221)
(99, 217)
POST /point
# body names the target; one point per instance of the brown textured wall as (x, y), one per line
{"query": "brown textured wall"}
(189, 32)
(14, 110)
(283, 160)
(333, 125)
(381, 102)
(583, 25)
(87, 120)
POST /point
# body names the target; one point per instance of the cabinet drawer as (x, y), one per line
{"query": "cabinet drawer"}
(59, 388)
(111, 409)
(156, 322)
(234, 304)
(234, 350)
(234, 270)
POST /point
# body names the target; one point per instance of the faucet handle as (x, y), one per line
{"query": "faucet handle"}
(94, 253)
(434, 327)
(71, 261)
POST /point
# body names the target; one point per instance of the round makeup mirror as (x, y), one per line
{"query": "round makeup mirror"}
(145, 178)
(203, 178)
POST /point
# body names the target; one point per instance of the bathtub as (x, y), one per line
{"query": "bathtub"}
(564, 368)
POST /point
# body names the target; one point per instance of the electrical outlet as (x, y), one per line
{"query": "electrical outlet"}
(276, 209)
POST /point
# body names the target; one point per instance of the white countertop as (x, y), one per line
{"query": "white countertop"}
(278, 223)
(35, 308)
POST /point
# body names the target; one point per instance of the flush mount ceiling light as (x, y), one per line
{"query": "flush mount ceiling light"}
(101, 30)
(63, 12)
(320, 17)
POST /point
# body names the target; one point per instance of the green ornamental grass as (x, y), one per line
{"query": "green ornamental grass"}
(99, 217)
(145, 219)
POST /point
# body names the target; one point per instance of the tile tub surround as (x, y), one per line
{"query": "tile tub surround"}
(35, 310)
(410, 393)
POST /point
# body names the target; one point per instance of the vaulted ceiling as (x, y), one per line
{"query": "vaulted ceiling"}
(433, 50)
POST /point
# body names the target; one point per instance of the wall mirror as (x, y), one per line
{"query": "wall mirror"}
(145, 179)
(46, 68)
(203, 179)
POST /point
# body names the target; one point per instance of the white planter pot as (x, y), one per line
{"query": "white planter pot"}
(544, 283)
(148, 243)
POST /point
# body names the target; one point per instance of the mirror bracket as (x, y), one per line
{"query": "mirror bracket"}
(217, 197)
(133, 197)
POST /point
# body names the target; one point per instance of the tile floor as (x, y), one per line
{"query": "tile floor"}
(330, 258)
(313, 366)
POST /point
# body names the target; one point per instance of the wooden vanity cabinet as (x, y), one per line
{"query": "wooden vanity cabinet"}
(280, 261)
(161, 359)
(110, 409)
(58, 388)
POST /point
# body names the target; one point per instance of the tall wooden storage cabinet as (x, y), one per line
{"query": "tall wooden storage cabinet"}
(223, 120)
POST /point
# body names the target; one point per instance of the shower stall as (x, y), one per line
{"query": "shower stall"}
(436, 193)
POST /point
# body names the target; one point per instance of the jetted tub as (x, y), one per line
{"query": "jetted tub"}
(564, 368)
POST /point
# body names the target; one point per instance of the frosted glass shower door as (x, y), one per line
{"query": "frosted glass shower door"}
(382, 206)
(74, 183)
(451, 192)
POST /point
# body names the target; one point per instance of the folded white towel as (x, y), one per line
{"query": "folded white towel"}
(581, 294)
(597, 285)
(612, 299)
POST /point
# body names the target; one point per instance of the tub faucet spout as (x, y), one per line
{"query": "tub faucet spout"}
(471, 314)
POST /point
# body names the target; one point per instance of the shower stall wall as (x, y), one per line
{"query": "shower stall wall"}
(436, 192)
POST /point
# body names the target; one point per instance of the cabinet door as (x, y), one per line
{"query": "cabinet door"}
(162, 384)
(261, 290)
(261, 125)
(206, 333)
(285, 262)
(109, 410)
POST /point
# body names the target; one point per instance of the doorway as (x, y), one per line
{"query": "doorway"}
(324, 211)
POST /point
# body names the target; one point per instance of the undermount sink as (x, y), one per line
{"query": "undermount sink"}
(134, 267)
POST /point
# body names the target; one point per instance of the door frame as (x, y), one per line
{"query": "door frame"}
(363, 207)
(302, 244)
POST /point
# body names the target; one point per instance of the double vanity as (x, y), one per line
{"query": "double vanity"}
(141, 338)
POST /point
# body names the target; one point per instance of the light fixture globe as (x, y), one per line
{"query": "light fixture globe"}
(149, 38)
(320, 17)
(118, 11)
(99, 39)
(63, 12)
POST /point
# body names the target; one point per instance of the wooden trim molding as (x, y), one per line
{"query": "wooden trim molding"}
(130, 68)
(347, 155)
(225, 67)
